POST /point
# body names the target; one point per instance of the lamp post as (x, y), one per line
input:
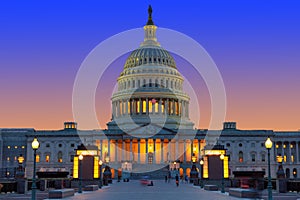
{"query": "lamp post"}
(100, 176)
(268, 145)
(222, 183)
(35, 145)
(201, 165)
(80, 173)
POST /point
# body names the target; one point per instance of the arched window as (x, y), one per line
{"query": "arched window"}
(263, 157)
(253, 157)
(59, 156)
(295, 173)
(241, 159)
(287, 173)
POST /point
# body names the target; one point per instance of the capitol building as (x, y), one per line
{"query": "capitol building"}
(150, 129)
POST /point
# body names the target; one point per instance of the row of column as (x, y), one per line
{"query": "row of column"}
(289, 151)
(151, 150)
(150, 106)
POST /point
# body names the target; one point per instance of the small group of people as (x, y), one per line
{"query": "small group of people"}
(168, 178)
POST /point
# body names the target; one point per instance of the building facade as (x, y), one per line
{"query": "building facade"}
(150, 128)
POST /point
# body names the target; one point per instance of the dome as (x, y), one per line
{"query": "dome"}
(149, 55)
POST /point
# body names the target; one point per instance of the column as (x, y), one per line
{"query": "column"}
(108, 147)
(139, 151)
(126, 107)
(116, 151)
(147, 106)
(173, 107)
(141, 106)
(118, 108)
(146, 151)
(131, 152)
(199, 152)
(183, 109)
(167, 106)
(123, 150)
(184, 150)
(176, 148)
(161, 151)
(169, 150)
(159, 106)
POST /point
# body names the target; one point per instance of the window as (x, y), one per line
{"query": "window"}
(253, 145)
(16, 147)
(253, 157)
(292, 158)
(8, 147)
(72, 145)
(23, 147)
(295, 173)
(71, 158)
(59, 157)
(7, 158)
(47, 158)
(287, 173)
(241, 157)
(37, 159)
(262, 144)
(240, 144)
(59, 145)
(263, 157)
(47, 145)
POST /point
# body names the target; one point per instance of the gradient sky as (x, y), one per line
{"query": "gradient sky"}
(255, 45)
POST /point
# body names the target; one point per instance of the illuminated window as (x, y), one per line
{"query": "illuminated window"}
(241, 157)
(292, 158)
(128, 107)
(138, 106)
(23, 147)
(15, 158)
(295, 173)
(163, 107)
(150, 106)
(284, 146)
(16, 147)
(47, 158)
(37, 159)
(284, 158)
(8, 147)
(292, 146)
(277, 146)
(144, 106)
(59, 157)
(7, 158)
(156, 107)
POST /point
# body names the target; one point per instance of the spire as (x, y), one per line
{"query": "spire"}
(150, 22)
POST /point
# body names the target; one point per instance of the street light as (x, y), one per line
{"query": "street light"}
(80, 173)
(222, 183)
(268, 145)
(100, 176)
(201, 181)
(35, 145)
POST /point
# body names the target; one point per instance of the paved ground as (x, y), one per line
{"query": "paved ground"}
(133, 190)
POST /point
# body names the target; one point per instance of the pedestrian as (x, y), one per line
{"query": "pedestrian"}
(177, 180)
(169, 177)
(166, 178)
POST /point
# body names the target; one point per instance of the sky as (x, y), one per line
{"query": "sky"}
(255, 45)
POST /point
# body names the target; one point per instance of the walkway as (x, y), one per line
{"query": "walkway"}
(133, 190)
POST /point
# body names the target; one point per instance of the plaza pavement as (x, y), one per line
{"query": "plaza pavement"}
(133, 190)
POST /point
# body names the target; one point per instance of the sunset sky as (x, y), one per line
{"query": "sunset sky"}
(255, 45)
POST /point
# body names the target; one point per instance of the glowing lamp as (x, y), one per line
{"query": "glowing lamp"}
(268, 143)
(35, 144)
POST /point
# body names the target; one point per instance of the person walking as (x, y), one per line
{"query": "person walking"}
(177, 180)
